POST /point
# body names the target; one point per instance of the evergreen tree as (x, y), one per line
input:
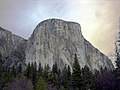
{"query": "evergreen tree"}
(1, 66)
(6, 77)
(0, 62)
(68, 72)
(1, 72)
(55, 73)
(65, 76)
(40, 84)
(40, 70)
(0, 58)
(53, 77)
(5, 74)
(87, 78)
(28, 71)
(105, 80)
(76, 79)
(34, 73)
(46, 71)
(55, 68)
(62, 88)
(20, 68)
(13, 72)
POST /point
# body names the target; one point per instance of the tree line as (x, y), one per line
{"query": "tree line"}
(35, 77)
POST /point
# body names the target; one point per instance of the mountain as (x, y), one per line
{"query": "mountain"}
(12, 47)
(54, 40)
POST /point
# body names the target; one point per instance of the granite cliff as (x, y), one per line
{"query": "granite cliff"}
(12, 47)
(53, 40)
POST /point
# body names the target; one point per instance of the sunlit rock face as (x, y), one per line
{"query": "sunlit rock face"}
(11, 47)
(55, 40)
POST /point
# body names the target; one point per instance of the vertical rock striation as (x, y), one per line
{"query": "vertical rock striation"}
(12, 47)
(55, 40)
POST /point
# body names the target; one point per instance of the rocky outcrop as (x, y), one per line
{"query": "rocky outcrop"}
(12, 47)
(55, 40)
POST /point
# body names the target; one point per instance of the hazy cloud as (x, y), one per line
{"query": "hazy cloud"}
(98, 19)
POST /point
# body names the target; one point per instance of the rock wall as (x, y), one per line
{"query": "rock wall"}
(11, 46)
(55, 40)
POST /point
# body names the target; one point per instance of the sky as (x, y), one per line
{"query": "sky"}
(99, 19)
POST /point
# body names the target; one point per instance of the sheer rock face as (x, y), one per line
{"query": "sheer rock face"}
(55, 40)
(11, 46)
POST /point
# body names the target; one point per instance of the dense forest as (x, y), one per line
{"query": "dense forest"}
(35, 77)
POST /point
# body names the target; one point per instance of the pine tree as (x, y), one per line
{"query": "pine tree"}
(13, 72)
(20, 68)
(5, 74)
(34, 73)
(55, 68)
(76, 79)
(46, 71)
(65, 76)
(1, 66)
(0, 58)
(54, 76)
(1, 72)
(68, 72)
(87, 77)
(40, 70)
(40, 84)
(55, 73)
(28, 71)
(105, 80)
(62, 88)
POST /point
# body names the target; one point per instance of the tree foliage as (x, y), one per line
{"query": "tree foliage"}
(40, 84)
(46, 79)
(76, 78)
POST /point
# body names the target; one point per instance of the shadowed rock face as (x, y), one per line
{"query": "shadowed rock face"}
(12, 47)
(8, 41)
(55, 40)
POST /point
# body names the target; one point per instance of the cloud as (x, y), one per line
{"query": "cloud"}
(98, 19)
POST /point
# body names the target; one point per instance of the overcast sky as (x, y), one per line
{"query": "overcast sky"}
(99, 19)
